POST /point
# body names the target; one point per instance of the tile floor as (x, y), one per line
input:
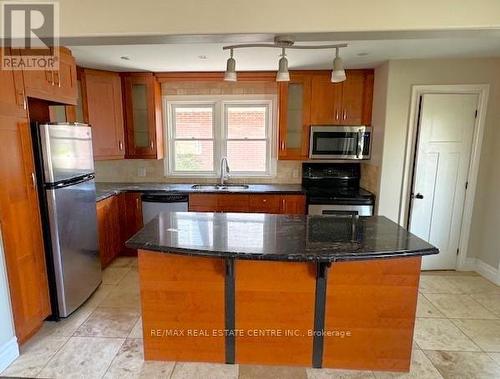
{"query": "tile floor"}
(457, 335)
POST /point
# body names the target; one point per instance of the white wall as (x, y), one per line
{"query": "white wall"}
(484, 241)
(156, 17)
(8, 342)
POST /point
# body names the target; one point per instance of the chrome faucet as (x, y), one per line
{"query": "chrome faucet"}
(224, 171)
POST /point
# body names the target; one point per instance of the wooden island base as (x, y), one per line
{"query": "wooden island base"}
(275, 311)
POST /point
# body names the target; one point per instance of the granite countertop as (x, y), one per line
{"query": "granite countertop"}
(105, 190)
(279, 237)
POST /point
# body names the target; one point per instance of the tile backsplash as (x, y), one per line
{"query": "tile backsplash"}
(148, 170)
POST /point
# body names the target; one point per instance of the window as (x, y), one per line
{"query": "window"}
(202, 131)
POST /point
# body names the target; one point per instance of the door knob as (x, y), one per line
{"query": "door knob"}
(419, 196)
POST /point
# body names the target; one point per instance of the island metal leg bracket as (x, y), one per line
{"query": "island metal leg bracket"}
(229, 310)
(319, 313)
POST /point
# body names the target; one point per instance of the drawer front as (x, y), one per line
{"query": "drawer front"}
(265, 203)
(232, 203)
(203, 202)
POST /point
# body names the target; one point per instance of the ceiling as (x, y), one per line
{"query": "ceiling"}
(210, 56)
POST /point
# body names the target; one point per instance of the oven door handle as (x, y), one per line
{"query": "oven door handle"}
(360, 143)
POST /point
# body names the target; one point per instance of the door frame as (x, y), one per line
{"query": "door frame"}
(482, 90)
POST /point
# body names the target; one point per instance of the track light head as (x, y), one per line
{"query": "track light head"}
(338, 73)
(283, 74)
(230, 74)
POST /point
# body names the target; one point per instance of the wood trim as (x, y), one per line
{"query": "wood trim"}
(250, 76)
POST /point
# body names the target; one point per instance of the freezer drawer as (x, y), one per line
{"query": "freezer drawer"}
(73, 231)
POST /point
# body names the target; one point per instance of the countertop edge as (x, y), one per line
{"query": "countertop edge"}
(104, 194)
(338, 257)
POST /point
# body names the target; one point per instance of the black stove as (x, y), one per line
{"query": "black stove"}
(333, 188)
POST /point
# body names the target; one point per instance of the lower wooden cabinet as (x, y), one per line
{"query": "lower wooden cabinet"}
(130, 218)
(108, 221)
(21, 228)
(253, 203)
(119, 218)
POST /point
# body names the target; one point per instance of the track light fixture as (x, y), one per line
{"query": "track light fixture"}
(230, 74)
(338, 72)
(286, 42)
(283, 74)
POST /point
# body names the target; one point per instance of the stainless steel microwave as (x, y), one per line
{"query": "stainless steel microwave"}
(340, 142)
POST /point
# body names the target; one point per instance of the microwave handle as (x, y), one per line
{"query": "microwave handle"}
(360, 143)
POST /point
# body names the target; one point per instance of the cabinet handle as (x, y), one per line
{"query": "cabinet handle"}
(151, 144)
(56, 74)
(283, 205)
(344, 114)
(337, 114)
(282, 145)
(33, 180)
(120, 145)
(25, 105)
(51, 77)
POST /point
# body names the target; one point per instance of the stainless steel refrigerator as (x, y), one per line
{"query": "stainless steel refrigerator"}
(65, 177)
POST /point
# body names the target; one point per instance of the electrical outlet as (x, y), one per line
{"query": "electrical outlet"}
(141, 171)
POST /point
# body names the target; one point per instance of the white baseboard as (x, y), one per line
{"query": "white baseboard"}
(468, 265)
(489, 272)
(8, 353)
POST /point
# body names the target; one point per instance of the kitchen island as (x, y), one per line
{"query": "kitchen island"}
(315, 291)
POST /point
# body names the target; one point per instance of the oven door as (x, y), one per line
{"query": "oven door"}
(340, 210)
(338, 142)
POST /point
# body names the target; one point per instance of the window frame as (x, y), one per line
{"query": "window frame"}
(219, 103)
(172, 137)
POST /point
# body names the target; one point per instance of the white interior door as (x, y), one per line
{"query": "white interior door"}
(442, 163)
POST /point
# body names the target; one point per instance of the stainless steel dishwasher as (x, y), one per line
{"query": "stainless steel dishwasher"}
(155, 203)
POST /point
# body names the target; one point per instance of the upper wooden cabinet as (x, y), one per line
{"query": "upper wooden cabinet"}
(12, 99)
(294, 116)
(347, 103)
(102, 109)
(58, 86)
(310, 98)
(143, 121)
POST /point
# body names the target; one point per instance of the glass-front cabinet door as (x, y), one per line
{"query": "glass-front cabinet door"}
(295, 104)
(143, 116)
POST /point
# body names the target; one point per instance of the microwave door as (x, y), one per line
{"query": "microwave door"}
(334, 145)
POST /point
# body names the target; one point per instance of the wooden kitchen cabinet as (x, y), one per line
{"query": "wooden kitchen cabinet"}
(130, 219)
(143, 120)
(59, 86)
(108, 222)
(12, 99)
(20, 224)
(264, 203)
(310, 98)
(293, 204)
(251, 203)
(294, 117)
(347, 103)
(102, 109)
(327, 106)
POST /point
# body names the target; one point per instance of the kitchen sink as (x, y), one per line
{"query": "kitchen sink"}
(220, 187)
